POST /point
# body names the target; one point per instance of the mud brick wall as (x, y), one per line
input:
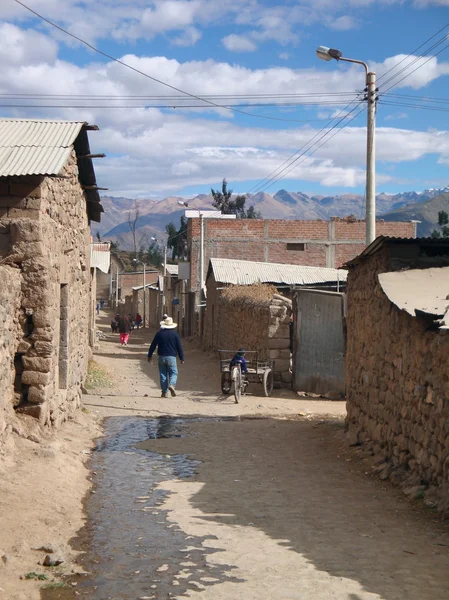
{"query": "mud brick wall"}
(50, 244)
(10, 334)
(325, 243)
(397, 383)
(253, 319)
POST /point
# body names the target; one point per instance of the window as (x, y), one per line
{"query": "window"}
(296, 247)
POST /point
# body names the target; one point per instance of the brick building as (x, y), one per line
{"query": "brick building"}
(310, 243)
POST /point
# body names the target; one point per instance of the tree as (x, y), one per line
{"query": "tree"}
(154, 255)
(228, 205)
(133, 217)
(443, 222)
(177, 239)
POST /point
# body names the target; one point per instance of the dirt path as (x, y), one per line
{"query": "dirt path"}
(278, 506)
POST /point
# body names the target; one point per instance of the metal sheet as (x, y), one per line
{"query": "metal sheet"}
(172, 269)
(319, 347)
(100, 256)
(426, 290)
(31, 147)
(243, 272)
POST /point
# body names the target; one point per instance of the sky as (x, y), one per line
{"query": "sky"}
(240, 54)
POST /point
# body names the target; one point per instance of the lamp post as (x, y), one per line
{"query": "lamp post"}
(155, 240)
(328, 54)
(144, 287)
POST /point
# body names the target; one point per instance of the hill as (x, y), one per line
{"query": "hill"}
(156, 214)
(426, 212)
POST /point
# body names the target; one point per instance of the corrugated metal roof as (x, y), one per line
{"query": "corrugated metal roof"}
(424, 290)
(243, 272)
(100, 256)
(172, 269)
(382, 240)
(31, 147)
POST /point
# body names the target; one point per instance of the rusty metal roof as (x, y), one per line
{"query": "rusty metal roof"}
(30, 147)
(243, 272)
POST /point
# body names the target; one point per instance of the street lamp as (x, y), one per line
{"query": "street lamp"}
(182, 203)
(328, 54)
(155, 240)
(144, 287)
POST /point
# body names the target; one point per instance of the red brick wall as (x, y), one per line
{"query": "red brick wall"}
(327, 243)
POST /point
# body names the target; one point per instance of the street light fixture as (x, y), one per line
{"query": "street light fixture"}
(144, 287)
(325, 53)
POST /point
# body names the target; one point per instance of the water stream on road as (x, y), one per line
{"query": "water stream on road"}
(131, 549)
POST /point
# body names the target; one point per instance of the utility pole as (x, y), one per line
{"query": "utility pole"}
(325, 53)
(144, 290)
(201, 273)
(116, 292)
(371, 158)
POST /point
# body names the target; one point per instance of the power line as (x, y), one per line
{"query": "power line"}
(155, 79)
(413, 52)
(309, 152)
(417, 106)
(172, 97)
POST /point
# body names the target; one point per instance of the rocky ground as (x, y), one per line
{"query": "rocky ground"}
(280, 502)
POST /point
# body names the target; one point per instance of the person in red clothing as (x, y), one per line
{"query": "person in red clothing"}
(169, 346)
(124, 328)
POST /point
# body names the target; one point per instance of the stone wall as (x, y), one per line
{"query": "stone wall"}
(50, 244)
(255, 317)
(10, 334)
(397, 386)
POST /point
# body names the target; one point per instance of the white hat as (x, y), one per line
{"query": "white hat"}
(167, 323)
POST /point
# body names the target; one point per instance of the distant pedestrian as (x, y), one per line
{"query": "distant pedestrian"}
(101, 303)
(138, 321)
(124, 327)
(169, 346)
(114, 326)
(98, 308)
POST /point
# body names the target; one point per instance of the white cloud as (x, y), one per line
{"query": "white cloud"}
(284, 55)
(189, 37)
(152, 151)
(343, 23)
(396, 116)
(238, 43)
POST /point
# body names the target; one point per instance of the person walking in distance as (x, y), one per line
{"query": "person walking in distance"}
(168, 344)
(124, 328)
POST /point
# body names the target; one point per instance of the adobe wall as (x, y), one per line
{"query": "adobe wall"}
(50, 244)
(397, 380)
(326, 243)
(254, 317)
(10, 334)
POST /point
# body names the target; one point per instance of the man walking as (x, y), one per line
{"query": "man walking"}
(169, 347)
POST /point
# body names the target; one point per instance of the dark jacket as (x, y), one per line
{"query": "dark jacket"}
(124, 326)
(168, 343)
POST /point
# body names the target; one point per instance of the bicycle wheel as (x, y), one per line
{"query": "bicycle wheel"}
(226, 383)
(268, 382)
(237, 382)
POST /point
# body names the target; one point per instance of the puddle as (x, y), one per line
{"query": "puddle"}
(131, 550)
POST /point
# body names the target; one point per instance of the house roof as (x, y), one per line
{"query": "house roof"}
(100, 256)
(243, 272)
(418, 291)
(383, 240)
(41, 147)
(172, 269)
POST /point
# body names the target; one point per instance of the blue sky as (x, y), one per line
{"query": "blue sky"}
(247, 49)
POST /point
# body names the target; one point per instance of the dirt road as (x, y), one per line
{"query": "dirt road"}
(198, 497)
(277, 503)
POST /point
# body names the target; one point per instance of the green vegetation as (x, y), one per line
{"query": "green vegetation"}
(233, 206)
(443, 221)
(97, 376)
(33, 575)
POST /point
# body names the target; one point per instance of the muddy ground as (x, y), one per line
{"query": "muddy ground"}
(197, 496)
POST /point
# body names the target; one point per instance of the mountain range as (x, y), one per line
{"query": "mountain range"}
(154, 215)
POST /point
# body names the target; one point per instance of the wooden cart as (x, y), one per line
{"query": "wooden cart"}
(234, 381)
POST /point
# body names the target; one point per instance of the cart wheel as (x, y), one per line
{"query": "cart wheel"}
(226, 383)
(237, 381)
(268, 382)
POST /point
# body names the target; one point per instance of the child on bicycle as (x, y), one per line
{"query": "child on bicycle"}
(239, 359)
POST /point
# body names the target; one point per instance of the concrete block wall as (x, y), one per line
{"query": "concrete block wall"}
(397, 381)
